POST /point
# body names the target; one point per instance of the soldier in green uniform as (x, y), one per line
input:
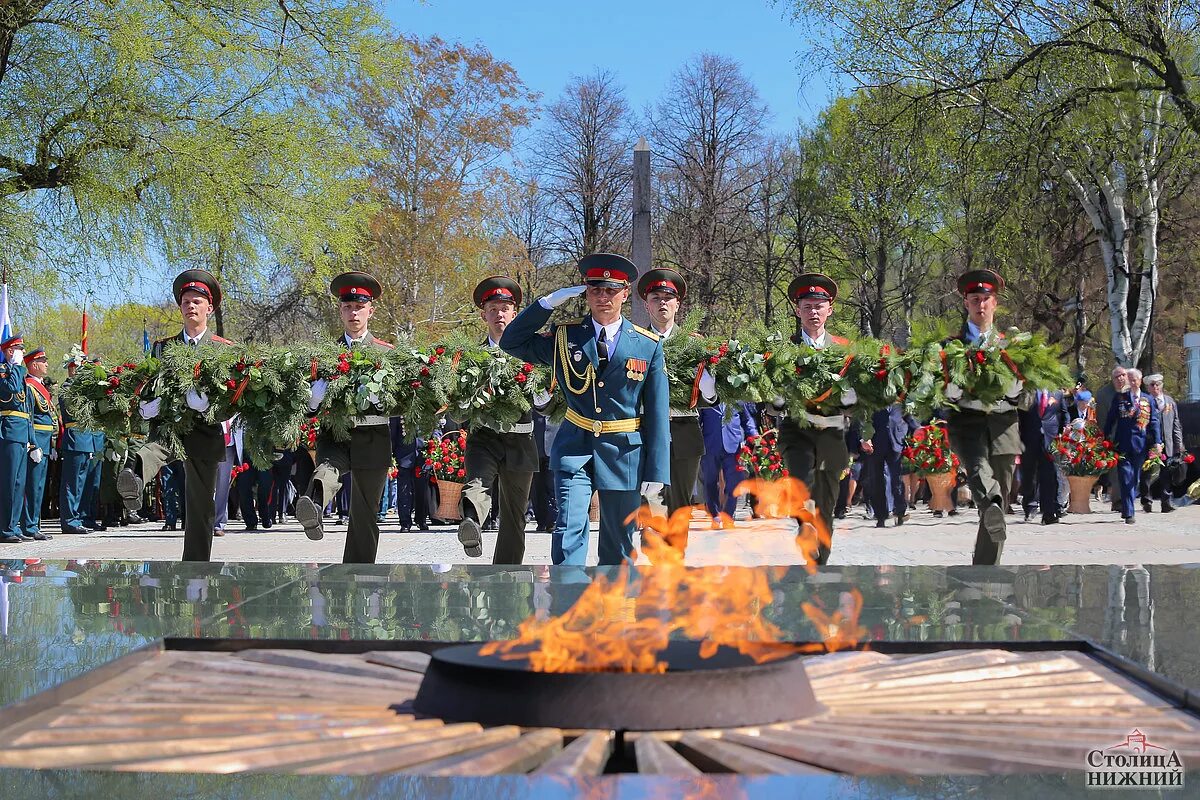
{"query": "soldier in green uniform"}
(44, 420)
(507, 457)
(16, 439)
(986, 438)
(197, 293)
(663, 290)
(368, 454)
(813, 445)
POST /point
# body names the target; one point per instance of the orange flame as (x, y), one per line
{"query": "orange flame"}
(789, 497)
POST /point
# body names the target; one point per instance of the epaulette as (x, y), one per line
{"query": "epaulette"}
(649, 334)
(570, 322)
(382, 343)
(220, 339)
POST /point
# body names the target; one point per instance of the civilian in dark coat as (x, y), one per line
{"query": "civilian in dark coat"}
(412, 498)
(882, 464)
(1039, 424)
(1133, 426)
(722, 441)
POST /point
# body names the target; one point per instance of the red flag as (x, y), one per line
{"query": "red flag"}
(83, 342)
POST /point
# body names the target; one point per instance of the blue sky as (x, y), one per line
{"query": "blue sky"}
(642, 42)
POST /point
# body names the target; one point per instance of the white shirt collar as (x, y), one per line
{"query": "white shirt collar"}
(36, 378)
(665, 334)
(610, 330)
(491, 342)
(194, 339)
(349, 341)
(817, 344)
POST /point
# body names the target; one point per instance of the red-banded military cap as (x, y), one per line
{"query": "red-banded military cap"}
(197, 280)
(355, 287)
(984, 281)
(607, 269)
(497, 287)
(34, 353)
(662, 279)
(812, 285)
(12, 341)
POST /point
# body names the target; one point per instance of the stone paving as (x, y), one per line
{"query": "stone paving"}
(1098, 538)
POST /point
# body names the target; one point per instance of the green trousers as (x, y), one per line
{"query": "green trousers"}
(199, 489)
(987, 445)
(507, 460)
(817, 457)
(367, 457)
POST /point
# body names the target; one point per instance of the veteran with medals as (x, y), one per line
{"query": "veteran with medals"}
(507, 457)
(368, 454)
(44, 419)
(615, 439)
(16, 439)
(813, 445)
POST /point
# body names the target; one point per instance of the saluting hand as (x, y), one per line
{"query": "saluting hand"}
(560, 296)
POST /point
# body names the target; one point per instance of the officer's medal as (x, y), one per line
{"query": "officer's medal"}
(635, 369)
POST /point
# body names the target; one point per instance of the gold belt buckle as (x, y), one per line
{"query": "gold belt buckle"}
(597, 427)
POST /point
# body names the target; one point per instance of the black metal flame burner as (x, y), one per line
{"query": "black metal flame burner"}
(728, 689)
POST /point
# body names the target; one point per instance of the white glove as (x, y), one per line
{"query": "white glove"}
(708, 386)
(541, 398)
(149, 408)
(197, 401)
(953, 392)
(319, 388)
(849, 398)
(35, 455)
(778, 402)
(53, 454)
(1014, 390)
(373, 399)
(18, 356)
(651, 488)
(560, 296)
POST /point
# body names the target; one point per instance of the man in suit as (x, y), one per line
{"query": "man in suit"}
(1171, 435)
(815, 451)
(407, 453)
(722, 441)
(16, 439)
(198, 294)
(367, 457)
(1039, 425)
(1133, 426)
(44, 419)
(882, 464)
(1118, 384)
(985, 437)
(616, 438)
(78, 449)
(506, 458)
(663, 290)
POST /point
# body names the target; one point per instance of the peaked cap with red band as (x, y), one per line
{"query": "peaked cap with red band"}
(984, 281)
(34, 353)
(810, 285)
(607, 269)
(355, 287)
(12, 341)
(497, 287)
(662, 279)
(197, 280)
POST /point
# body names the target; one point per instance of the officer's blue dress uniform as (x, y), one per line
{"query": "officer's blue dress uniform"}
(79, 450)
(631, 396)
(16, 432)
(1133, 439)
(44, 421)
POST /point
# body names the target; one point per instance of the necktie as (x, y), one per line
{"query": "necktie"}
(602, 349)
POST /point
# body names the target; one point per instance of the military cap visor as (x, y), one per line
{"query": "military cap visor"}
(197, 280)
(35, 353)
(812, 285)
(497, 287)
(607, 269)
(982, 281)
(355, 287)
(12, 341)
(662, 280)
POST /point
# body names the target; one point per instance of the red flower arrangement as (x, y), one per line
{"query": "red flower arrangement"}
(760, 457)
(447, 457)
(928, 452)
(1084, 451)
(308, 433)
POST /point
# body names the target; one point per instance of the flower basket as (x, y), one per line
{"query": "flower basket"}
(449, 500)
(1080, 501)
(759, 457)
(928, 452)
(941, 484)
(594, 508)
(1082, 451)
(447, 459)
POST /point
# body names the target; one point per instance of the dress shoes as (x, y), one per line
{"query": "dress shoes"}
(881, 523)
(424, 526)
(309, 517)
(129, 487)
(218, 532)
(42, 537)
(1146, 507)
(25, 538)
(470, 537)
(76, 531)
(1129, 520)
(1167, 508)
(1050, 520)
(405, 528)
(266, 524)
(937, 515)
(11, 540)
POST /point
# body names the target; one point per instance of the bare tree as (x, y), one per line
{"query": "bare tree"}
(773, 247)
(585, 165)
(526, 221)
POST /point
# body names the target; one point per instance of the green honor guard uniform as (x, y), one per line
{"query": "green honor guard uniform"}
(368, 454)
(16, 438)
(813, 445)
(986, 438)
(79, 451)
(616, 437)
(197, 293)
(44, 419)
(506, 456)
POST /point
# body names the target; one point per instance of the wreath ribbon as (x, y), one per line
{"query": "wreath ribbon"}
(816, 401)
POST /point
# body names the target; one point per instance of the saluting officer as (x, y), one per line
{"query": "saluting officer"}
(616, 434)
(368, 454)
(508, 457)
(986, 438)
(78, 450)
(44, 419)
(663, 290)
(815, 451)
(16, 437)
(198, 293)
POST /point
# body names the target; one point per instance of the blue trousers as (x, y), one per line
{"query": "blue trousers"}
(712, 465)
(13, 457)
(35, 487)
(1129, 472)
(172, 492)
(89, 504)
(569, 544)
(71, 482)
(885, 485)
